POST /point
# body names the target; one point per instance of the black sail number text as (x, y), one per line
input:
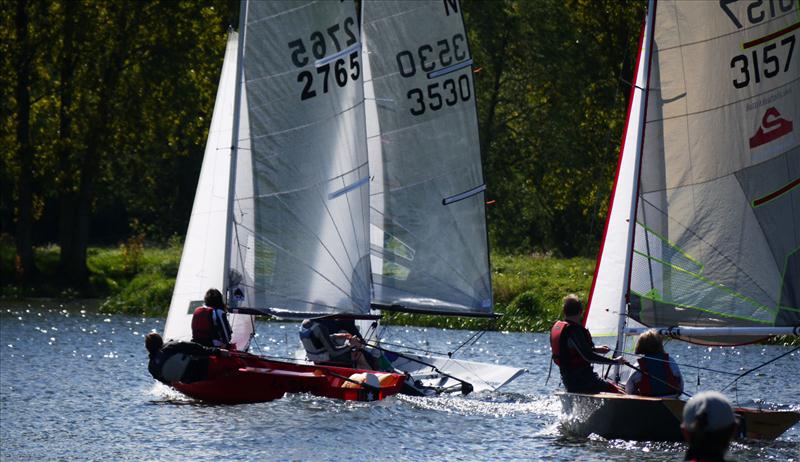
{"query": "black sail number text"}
(440, 94)
(318, 45)
(763, 63)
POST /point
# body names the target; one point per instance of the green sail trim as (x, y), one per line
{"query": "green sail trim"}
(655, 296)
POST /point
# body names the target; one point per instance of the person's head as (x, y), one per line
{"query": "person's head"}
(649, 343)
(213, 299)
(572, 306)
(708, 423)
(153, 342)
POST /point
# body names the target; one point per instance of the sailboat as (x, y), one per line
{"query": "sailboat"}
(280, 215)
(429, 252)
(702, 240)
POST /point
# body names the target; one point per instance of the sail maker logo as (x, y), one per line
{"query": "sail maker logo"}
(773, 126)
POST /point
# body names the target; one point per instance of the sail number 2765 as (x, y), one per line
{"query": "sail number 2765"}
(342, 69)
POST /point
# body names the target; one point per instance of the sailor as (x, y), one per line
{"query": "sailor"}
(343, 347)
(210, 325)
(574, 352)
(708, 426)
(185, 362)
(658, 374)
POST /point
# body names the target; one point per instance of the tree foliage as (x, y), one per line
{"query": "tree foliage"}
(108, 127)
(552, 106)
(108, 104)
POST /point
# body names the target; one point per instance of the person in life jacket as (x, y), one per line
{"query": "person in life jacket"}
(574, 352)
(185, 362)
(658, 374)
(210, 325)
(336, 342)
(708, 426)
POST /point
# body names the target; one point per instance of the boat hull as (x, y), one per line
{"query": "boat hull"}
(641, 418)
(245, 378)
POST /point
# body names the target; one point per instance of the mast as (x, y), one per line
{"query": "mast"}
(234, 148)
(640, 92)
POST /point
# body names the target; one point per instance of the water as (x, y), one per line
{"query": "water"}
(74, 386)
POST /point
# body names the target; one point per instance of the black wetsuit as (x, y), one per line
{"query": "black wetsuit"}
(185, 362)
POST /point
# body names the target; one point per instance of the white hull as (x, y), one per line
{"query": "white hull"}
(482, 376)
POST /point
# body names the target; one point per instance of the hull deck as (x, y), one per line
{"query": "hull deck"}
(245, 378)
(643, 418)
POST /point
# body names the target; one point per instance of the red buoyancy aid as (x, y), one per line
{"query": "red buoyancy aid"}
(563, 355)
(203, 326)
(657, 376)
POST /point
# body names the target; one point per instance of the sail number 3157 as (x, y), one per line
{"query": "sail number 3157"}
(766, 62)
(340, 70)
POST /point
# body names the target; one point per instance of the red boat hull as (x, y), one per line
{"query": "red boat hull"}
(246, 378)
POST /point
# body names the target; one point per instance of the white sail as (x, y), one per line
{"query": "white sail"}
(717, 235)
(430, 249)
(201, 264)
(300, 237)
(607, 298)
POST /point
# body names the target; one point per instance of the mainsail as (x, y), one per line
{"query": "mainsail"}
(299, 241)
(204, 249)
(429, 244)
(716, 237)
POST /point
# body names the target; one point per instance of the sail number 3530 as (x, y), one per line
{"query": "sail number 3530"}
(428, 58)
(342, 70)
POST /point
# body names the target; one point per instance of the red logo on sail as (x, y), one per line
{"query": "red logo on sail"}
(773, 126)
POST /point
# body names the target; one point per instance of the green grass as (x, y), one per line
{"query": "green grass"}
(528, 291)
(137, 279)
(131, 278)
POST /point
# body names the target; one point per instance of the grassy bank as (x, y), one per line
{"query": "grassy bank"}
(138, 279)
(131, 278)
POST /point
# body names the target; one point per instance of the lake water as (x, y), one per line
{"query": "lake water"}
(74, 386)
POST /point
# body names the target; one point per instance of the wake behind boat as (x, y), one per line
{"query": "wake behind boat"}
(702, 235)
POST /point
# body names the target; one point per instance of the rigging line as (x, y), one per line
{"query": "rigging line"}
(673, 387)
(353, 266)
(423, 350)
(473, 338)
(718, 252)
(318, 184)
(299, 127)
(682, 364)
(759, 367)
(303, 263)
(324, 246)
(454, 269)
(285, 297)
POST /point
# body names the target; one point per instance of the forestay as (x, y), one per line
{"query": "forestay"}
(204, 248)
(429, 244)
(300, 232)
(717, 235)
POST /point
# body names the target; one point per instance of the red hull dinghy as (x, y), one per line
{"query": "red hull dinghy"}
(246, 378)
